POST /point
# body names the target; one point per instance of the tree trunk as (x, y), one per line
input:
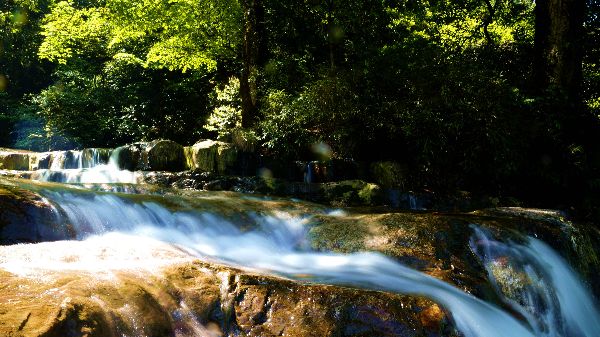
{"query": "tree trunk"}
(558, 45)
(253, 56)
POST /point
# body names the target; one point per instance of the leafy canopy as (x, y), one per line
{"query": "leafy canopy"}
(171, 34)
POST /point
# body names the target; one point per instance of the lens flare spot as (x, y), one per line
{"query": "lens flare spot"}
(265, 173)
(19, 17)
(3, 83)
(322, 150)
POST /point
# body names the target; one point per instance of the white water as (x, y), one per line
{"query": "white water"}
(86, 171)
(279, 245)
(539, 284)
(552, 303)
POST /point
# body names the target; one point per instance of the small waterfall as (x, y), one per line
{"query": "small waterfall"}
(91, 165)
(308, 174)
(412, 202)
(93, 157)
(65, 160)
(539, 284)
(278, 245)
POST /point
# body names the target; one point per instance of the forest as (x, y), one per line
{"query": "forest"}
(498, 97)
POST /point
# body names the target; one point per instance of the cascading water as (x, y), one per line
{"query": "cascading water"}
(537, 283)
(278, 244)
(89, 166)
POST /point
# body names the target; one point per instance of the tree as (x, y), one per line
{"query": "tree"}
(253, 58)
(131, 70)
(558, 43)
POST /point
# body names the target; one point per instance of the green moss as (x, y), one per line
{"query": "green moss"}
(351, 193)
(388, 174)
(14, 161)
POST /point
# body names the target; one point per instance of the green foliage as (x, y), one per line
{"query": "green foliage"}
(226, 116)
(325, 111)
(444, 88)
(133, 71)
(71, 32)
(178, 34)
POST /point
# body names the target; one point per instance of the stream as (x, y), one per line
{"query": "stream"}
(550, 301)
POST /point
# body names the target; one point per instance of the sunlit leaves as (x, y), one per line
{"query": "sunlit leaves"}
(69, 32)
(178, 35)
(459, 25)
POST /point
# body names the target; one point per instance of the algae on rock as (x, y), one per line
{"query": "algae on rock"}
(212, 156)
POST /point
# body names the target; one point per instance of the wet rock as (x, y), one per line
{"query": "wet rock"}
(213, 156)
(39, 161)
(94, 156)
(170, 293)
(129, 157)
(165, 155)
(27, 217)
(388, 174)
(14, 160)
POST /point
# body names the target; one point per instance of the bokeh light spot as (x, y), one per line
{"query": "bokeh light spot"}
(3, 83)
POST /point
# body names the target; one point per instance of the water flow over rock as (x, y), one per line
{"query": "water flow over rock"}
(278, 244)
(87, 166)
(539, 284)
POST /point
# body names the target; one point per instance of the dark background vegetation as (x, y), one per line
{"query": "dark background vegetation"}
(499, 97)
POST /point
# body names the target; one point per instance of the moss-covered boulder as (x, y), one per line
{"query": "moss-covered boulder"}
(188, 157)
(130, 157)
(388, 174)
(165, 155)
(14, 160)
(213, 156)
(351, 193)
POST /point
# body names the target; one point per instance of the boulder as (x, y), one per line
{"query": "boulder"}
(188, 155)
(69, 159)
(165, 155)
(91, 157)
(351, 193)
(14, 161)
(149, 288)
(157, 155)
(39, 161)
(129, 157)
(388, 174)
(213, 156)
(26, 216)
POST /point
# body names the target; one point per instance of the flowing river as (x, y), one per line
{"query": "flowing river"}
(553, 302)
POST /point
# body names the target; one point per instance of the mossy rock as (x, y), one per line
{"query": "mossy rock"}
(94, 156)
(14, 161)
(213, 156)
(129, 157)
(188, 155)
(39, 161)
(388, 174)
(165, 155)
(352, 193)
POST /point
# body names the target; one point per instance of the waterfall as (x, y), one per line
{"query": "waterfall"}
(412, 202)
(539, 284)
(554, 302)
(308, 175)
(65, 160)
(88, 166)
